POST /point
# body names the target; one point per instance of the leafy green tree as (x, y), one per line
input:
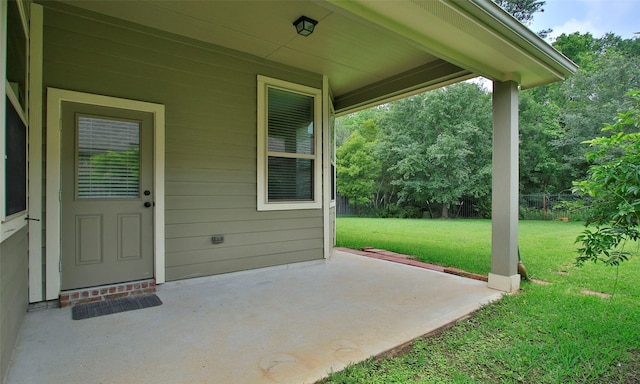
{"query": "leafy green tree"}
(523, 10)
(346, 125)
(582, 105)
(581, 49)
(438, 146)
(584, 49)
(357, 168)
(589, 101)
(538, 126)
(613, 187)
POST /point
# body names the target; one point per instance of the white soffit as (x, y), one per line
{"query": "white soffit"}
(475, 34)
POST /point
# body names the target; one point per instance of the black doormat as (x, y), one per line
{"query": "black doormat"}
(107, 307)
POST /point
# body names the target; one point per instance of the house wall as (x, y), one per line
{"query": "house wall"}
(209, 93)
(14, 290)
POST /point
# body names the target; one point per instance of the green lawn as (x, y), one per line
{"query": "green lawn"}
(545, 334)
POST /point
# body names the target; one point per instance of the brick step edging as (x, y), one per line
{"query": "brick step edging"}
(410, 260)
(106, 292)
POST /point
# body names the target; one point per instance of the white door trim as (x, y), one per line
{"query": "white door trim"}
(326, 168)
(55, 98)
(35, 153)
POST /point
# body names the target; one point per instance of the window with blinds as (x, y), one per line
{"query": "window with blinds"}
(290, 132)
(108, 163)
(289, 173)
(14, 131)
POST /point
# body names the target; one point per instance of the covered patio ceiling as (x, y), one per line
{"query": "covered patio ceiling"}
(372, 51)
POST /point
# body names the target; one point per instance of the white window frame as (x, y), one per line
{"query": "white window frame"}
(264, 83)
(331, 142)
(13, 223)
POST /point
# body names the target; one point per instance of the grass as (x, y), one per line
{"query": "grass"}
(545, 334)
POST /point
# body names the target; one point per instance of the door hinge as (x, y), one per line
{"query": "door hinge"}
(60, 266)
(60, 195)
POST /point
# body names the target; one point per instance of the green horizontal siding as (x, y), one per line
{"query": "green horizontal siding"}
(209, 93)
(14, 292)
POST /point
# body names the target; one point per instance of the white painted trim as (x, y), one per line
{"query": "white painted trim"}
(55, 98)
(262, 202)
(52, 187)
(508, 284)
(326, 167)
(15, 222)
(3, 109)
(158, 179)
(11, 224)
(35, 154)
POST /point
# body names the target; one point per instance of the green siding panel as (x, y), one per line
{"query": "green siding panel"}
(14, 293)
(241, 252)
(209, 93)
(205, 174)
(175, 231)
(246, 214)
(203, 243)
(231, 265)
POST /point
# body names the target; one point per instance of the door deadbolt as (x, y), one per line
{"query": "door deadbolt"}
(147, 192)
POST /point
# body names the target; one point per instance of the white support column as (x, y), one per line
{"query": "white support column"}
(504, 212)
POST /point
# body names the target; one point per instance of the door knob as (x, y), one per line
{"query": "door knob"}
(147, 204)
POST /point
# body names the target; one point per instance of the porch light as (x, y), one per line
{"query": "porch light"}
(304, 25)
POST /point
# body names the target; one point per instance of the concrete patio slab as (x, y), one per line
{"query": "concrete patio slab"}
(290, 324)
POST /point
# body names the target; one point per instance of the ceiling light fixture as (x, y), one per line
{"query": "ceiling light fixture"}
(304, 25)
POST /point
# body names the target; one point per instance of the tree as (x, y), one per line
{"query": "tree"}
(357, 168)
(522, 10)
(581, 49)
(538, 124)
(575, 110)
(346, 125)
(590, 100)
(434, 149)
(613, 187)
(438, 146)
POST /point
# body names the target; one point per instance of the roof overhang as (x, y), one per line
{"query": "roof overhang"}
(372, 51)
(476, 35)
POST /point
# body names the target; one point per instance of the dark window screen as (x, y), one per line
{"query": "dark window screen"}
(16, 162)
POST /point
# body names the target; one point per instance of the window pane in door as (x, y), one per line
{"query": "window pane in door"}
(108, 158)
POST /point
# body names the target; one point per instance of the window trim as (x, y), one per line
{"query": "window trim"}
(331, 142)
(12, 224)
(264, 83)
